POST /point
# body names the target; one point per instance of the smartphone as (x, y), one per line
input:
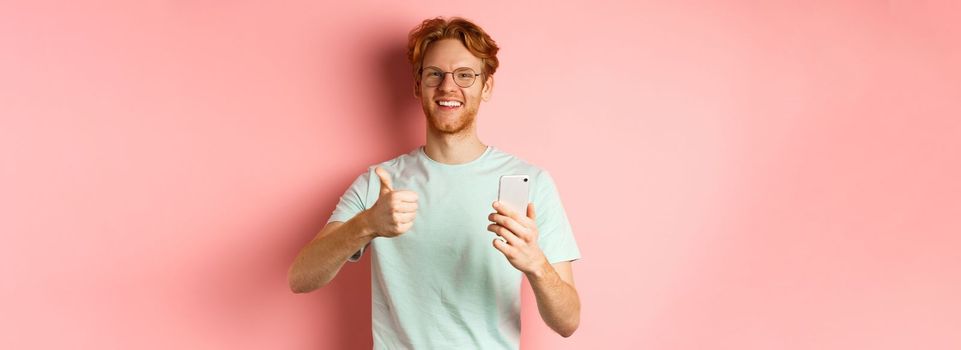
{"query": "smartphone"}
(514, 192)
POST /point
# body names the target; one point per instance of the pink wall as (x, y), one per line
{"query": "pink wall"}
(739, 176)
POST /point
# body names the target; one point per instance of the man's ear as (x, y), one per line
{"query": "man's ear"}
(488, 88)
(416, 90)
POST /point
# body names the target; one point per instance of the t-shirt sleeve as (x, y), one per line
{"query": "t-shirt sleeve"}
(556, 238)
(351, 203)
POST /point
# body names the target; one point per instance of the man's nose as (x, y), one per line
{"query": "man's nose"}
(448, 84)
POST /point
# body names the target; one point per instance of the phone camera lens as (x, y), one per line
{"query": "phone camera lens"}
(525, 179)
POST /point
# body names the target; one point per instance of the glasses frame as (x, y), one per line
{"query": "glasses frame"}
(444, 76)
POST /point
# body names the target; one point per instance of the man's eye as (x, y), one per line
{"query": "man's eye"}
(465, 75)
(433, 74)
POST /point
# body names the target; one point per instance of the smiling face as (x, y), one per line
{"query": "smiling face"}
(449, 108)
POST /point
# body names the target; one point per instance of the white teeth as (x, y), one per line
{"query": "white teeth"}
(449, 103)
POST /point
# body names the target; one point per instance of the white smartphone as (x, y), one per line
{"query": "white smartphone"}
(514, 192)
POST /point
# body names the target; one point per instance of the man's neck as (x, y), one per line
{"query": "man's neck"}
(453, 149)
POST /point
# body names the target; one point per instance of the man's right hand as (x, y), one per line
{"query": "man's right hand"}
(394, 212)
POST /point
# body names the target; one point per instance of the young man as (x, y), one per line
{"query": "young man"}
(440, 280)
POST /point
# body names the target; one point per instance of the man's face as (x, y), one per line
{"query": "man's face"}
(448, 55)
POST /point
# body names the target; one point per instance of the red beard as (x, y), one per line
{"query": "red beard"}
(451, 125)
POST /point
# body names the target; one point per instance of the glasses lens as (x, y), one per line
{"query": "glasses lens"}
(432, 77)
(464, 77)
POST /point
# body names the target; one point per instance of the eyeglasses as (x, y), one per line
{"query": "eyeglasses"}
(463, 77)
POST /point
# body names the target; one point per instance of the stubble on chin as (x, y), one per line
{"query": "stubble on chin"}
(460, 125)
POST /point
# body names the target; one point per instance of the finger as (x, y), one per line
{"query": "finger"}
(406, 196)
(504, 248)
(530, 211)
(504, 232)
(505, 210)
(385, 184)
(406, 207)
(515, 227)
(404, 218)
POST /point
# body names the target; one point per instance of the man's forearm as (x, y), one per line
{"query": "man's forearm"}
(557, 301)
(322, 258)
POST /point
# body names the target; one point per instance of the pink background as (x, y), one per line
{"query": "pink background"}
(744, 175)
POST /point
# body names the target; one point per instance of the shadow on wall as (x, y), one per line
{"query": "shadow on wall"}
(257, 273)
(403, 121)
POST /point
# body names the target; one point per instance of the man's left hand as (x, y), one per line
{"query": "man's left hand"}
(520, 232)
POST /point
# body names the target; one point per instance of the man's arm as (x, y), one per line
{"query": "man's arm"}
(553, 285)
(392, 215)
(321, 260)
(557, 299)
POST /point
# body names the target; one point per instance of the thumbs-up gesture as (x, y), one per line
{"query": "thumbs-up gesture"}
(394, 212)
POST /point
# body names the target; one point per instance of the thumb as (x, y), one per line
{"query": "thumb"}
(385, 184)
(530, 211)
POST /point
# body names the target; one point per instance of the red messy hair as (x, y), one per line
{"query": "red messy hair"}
(471, 35)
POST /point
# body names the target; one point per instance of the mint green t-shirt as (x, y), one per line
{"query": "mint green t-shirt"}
(442, 284)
